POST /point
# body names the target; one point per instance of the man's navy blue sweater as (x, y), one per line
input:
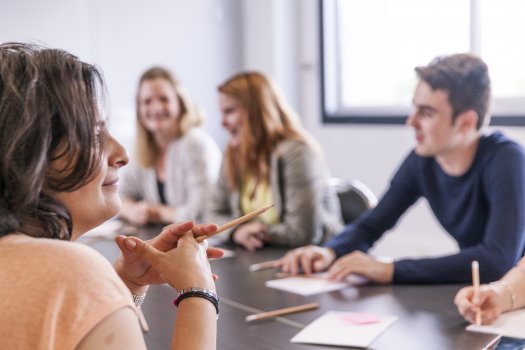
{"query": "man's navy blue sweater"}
(483, 210)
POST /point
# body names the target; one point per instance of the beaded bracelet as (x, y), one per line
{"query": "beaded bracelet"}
(200, 293)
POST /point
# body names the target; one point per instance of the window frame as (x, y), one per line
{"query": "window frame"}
(342, 117)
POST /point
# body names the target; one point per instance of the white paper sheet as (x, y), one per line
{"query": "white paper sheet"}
(510, 324)
(306, 285)
(344, 329)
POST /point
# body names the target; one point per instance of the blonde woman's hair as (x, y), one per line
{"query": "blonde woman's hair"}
(146, 151)
(269, 120)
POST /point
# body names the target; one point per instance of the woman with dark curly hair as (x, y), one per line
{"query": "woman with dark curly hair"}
(59, 179)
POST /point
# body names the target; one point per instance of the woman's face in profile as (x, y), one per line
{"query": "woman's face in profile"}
(98, 200)
(159, 106)
(233, 115)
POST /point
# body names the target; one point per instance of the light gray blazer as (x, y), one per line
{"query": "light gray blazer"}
(309, 209)
(193, 163)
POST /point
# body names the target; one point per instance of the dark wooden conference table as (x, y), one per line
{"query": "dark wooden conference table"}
(427, 317)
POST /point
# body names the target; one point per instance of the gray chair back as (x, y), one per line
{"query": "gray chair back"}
(354, 196)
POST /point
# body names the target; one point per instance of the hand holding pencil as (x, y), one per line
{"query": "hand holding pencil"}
(490, 302)
(481, 304)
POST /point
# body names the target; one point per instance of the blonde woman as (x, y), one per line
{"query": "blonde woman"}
(175, 162)
(270, 159)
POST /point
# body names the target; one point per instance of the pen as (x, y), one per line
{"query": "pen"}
(475, 284)
(235, 222)
(281, 312)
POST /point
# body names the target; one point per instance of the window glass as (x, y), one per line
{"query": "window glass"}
(370, 49)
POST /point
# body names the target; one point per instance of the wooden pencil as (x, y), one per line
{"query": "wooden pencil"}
(265, 265)
(475, 284)
(281, 312)
(235, 222)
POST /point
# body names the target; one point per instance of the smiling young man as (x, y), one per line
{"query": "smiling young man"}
(474, 183)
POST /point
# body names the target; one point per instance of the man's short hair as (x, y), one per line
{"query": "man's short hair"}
(466, 79)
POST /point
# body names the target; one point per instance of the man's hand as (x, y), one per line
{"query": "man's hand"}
(362, 264)
(137, 274)
(309, 258)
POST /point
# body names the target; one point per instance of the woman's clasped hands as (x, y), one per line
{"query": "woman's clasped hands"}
(173, 257)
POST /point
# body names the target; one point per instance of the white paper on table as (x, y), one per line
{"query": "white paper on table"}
(333, 329)
(306, 285)
(509, 324)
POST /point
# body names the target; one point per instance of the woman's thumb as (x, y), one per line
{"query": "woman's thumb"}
(142, 249)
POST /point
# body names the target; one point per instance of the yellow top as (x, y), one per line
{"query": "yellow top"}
(261, 198)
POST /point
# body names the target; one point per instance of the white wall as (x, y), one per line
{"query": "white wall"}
(200, 40)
